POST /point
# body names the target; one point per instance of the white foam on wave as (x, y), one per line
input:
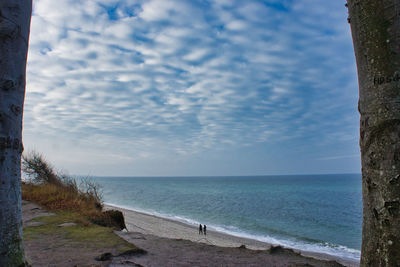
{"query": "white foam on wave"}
(339, 251)
(324, 248)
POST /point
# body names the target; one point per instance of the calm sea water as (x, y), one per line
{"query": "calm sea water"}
(320, 213)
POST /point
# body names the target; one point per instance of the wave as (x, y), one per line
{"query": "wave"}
(339, 251)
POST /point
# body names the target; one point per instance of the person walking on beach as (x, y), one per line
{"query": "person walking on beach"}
(205, 229)
(200, 230)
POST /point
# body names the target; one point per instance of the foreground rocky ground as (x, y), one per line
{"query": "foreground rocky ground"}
(60, 240)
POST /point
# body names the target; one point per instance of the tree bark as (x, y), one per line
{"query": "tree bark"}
(15, 18)
(375, 27)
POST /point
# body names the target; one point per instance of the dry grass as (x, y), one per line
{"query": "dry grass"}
(57, 192)
(58, 197)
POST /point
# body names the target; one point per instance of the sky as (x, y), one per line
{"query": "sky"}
(192, 87)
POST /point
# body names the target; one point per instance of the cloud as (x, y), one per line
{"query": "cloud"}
(160, 77)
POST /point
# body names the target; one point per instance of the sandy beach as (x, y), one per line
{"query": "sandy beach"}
(150, 225)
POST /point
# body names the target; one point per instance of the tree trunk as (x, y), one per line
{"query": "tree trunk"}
(375, 27)
(15, 18)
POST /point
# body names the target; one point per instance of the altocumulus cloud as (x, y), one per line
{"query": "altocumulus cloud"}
(134, 83)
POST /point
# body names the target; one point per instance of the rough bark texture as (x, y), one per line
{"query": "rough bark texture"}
(375, 26)
(14, 34)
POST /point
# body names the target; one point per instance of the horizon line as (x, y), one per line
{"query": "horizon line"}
(199, 176)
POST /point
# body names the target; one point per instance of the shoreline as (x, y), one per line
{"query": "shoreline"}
(145, 223)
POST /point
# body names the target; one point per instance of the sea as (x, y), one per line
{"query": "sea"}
(316, 213)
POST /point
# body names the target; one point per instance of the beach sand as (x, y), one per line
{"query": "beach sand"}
(157, 235)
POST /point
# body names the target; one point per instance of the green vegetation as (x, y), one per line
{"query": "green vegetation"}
(83, 232)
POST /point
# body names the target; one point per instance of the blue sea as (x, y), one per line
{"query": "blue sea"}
(318, 213)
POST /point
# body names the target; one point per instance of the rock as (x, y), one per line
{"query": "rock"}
(33, 223)
(67, 224)
(110, 218)
(281, 250)
(125, 263)
(117, 217)
(104, 257)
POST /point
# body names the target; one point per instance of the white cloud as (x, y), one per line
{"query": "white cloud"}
(237, 25)
(196, 54)
(160, 77)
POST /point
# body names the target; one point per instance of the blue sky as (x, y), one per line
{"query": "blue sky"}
(218, 87)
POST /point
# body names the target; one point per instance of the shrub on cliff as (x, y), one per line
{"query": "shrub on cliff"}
(58, 191)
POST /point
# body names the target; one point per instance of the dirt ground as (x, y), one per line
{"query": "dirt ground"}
(175, 252)
(55, 249)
